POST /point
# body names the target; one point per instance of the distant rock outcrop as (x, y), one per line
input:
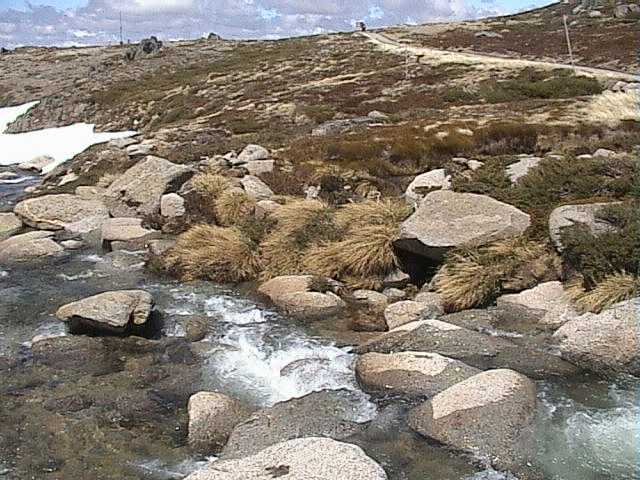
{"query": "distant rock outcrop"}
(146, 47)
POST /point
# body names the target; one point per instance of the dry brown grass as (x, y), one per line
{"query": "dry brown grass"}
(475, 277)
(213, 253)
(613, 289)
(298, 226)
(364, 253)
(234, 207)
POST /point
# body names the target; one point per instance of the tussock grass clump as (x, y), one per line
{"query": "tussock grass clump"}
(613, 289)
(207, 187)
(298, 226)
(364, 253)
(233, 206)
(475, 277)
(213, 253)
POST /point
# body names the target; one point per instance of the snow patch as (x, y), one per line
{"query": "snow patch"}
(61, 143)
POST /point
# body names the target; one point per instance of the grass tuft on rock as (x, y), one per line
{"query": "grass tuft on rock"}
(213, 253)
(473, 278)
(613, 289)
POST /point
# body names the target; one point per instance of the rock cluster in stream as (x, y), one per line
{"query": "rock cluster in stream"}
(467, 387)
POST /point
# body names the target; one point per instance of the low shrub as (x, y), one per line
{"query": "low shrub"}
(539, 85)
(597, 257)
(213, 253)
(475, 277)
(504, 138)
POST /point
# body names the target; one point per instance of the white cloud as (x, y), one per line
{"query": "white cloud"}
(229, 18)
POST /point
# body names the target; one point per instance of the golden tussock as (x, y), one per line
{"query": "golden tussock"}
(213, 253)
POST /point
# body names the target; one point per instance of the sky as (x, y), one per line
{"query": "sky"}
(88, 22)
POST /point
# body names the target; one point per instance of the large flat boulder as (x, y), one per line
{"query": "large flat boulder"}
(415, 374)
(139, 190)
(9, 225)
(446, 219)
(115, 311)
(547, 302)
(490, 414)
(212, 417)
(28, 246)
(606, 343)
(330, 413)
(569, 215)
(59, 212)
(476, 349)
(310, 458)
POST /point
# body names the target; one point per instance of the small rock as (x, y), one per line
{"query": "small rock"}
(256, 188)
(372, 298)
(293, 294)
(475, 165)
(28, 246)
(68, 178)
(487, 34)
(9, 225)
(123, 142)
(432, 299)
(407, 311)
(604, 153)
(123, 230)
(376, 115)
(394, 294)
(425, 183)
(110, 311)
(595, 14)
(138, 191)
(160, 246)
(172, 205)
(212, 418)
(72, 244)
(252, 153)
(37, 164)
(139, 149)
(517, 170)
(196, 329)
(264, 208)
(258, 167)
(396, 279)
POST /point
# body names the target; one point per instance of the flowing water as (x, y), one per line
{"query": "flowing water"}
(587, 430)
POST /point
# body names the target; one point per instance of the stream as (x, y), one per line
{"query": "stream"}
(587, 430)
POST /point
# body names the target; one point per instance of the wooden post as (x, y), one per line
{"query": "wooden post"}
(566, 32)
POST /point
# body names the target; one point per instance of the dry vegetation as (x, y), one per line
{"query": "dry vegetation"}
(473, 278)
(213, 253)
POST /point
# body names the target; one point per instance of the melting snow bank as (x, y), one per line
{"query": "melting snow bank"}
(61, 143)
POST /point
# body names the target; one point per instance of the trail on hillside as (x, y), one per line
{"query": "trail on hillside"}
(432, 55)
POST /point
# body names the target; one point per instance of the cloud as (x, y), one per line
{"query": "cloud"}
(99, 19)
